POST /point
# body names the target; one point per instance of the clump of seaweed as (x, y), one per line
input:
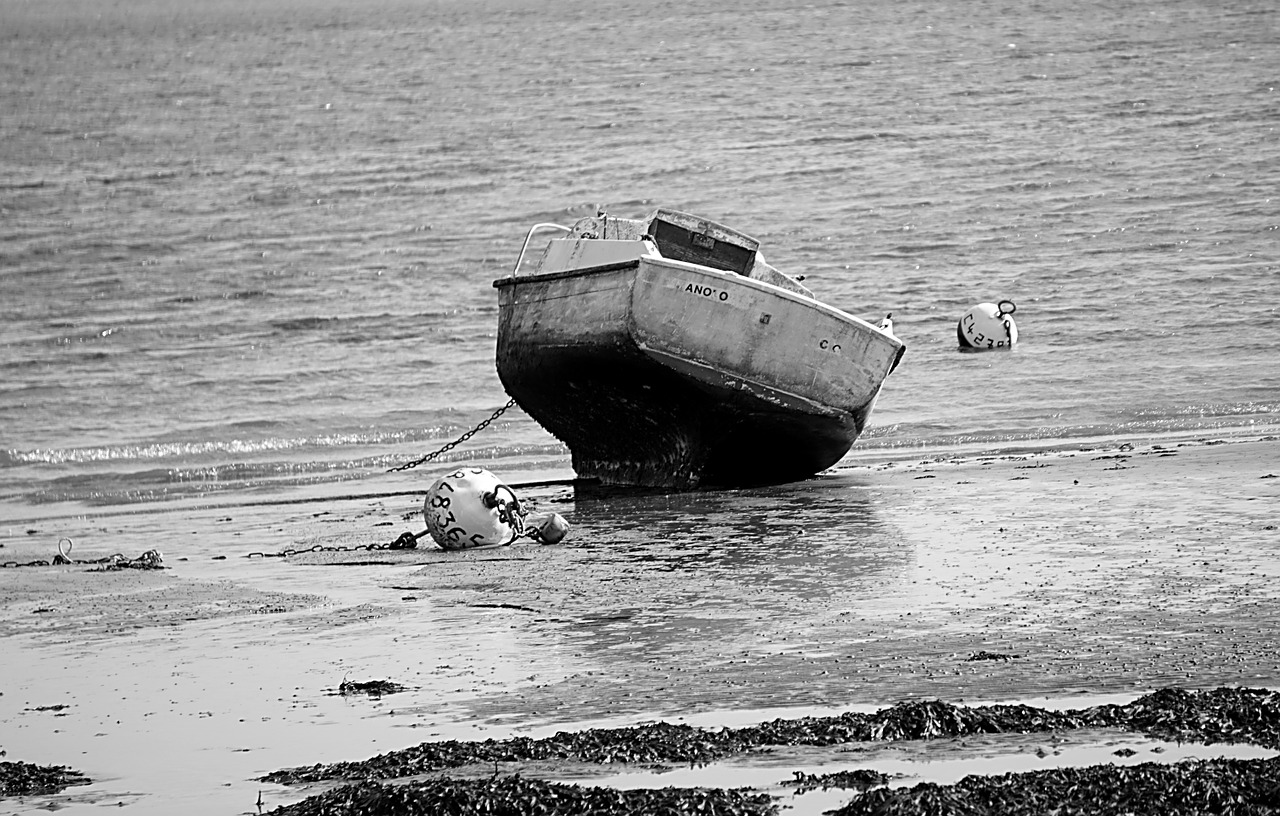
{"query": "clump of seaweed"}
(985, 655)
(1223, 786)
(1219, 715)
(515, 796)
(657, 742)
(373, 688)
(26, 779)
(846, 780)
(918, 719)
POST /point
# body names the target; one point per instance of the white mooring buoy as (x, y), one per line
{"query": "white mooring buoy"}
(988, 326)
(471, 508)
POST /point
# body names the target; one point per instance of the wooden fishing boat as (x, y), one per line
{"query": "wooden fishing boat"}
(665, 352)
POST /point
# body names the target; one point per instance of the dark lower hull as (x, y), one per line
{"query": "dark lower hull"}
(632, 421)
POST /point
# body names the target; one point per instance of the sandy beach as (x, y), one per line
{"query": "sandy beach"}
(1101, 573)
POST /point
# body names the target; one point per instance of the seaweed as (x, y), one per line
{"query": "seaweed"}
(1222, 786)
(658, 742)
(849, 780)
(26, 779)
(516, 796)
(985, 655)
(1221, 715)
(373, 688)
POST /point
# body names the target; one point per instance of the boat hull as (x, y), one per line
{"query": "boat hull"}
(661, 373)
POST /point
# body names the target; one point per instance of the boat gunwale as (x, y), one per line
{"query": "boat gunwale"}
(731, 277)
(586, 271)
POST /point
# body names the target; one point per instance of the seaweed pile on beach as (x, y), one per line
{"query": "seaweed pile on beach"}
(26, 779)
(1240, 787)
(1229, 787)
(1221, 786)
(373, 688)
(515, 795)
(1221, 715)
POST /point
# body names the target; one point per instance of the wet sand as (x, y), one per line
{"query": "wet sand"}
(1107, 571)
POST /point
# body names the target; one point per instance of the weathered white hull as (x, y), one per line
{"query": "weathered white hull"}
(663, 373)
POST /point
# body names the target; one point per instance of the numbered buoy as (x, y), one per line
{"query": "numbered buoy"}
(988, 326)
(471, 508)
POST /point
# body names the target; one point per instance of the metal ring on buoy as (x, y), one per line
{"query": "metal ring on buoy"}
(471, 508)
(988, 326)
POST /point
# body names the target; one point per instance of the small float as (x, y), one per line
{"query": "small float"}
(666, 352)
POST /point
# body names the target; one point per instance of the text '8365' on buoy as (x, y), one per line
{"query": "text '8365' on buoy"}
(472, 508)
(988, 326)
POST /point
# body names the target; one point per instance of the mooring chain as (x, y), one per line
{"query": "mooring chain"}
(510, 512)
(477, 429)
(407, 541)
(148, 560)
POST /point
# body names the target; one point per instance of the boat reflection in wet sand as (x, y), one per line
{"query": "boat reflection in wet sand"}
(665, 352)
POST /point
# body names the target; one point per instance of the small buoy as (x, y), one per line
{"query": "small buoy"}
(547, 528)
(471, 508)
(988, 326)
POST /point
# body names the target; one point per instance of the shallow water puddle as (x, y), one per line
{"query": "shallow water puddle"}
(910, 763)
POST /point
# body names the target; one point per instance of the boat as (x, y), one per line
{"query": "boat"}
(665, 352)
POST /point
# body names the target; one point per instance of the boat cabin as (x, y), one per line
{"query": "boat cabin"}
(603, 239)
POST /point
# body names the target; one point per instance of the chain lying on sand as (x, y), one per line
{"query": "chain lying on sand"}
(406, 541)
(149, 560)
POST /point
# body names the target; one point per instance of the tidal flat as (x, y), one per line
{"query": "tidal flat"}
(1117, 575)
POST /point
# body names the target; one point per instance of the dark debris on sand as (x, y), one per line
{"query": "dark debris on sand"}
(985, 655)
(25, 779)
(516, 796)
(1221, 715)
(373, 688)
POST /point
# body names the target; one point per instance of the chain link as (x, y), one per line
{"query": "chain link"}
(455, 443)
(1008, 324)
(406, 541)
(148, 560)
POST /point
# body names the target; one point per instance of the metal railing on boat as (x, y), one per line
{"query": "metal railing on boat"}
(529, 237)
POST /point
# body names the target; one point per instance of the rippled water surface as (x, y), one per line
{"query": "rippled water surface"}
(246, 249)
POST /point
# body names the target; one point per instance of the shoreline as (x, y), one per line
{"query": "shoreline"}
(1107, 570)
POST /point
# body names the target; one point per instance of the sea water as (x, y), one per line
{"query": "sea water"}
(247, 249)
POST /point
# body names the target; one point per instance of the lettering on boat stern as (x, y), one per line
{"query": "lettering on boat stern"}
(706, 291)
